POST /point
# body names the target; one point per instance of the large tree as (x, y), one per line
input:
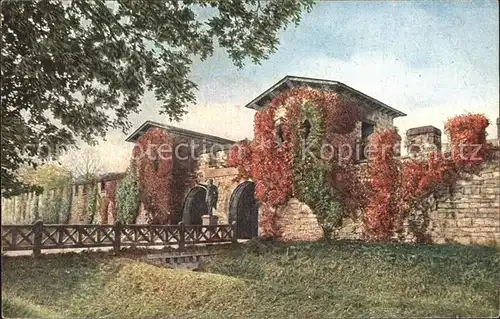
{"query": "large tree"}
(75, 69)
(85, 164)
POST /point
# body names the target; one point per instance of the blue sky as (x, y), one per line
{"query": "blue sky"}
(430, 59)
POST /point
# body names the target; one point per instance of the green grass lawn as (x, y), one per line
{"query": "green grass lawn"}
(262, 281)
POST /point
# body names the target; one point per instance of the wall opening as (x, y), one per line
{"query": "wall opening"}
(244, 209)
(280, 138)
(367, 129)
(194, 206)
(306, 130)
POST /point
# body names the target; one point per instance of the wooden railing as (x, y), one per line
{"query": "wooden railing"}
(54, 236)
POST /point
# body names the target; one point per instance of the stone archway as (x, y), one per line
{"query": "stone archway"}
(194, 206)
(244, 209)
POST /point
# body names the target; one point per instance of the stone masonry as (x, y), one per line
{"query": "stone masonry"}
(420, 141)
(214, 166)
(471, 213)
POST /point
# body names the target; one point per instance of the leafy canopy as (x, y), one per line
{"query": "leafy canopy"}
(47, 176)
(75, 69)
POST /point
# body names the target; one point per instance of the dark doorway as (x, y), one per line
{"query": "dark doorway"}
(194, 206)
(367, 130)
(244, 209)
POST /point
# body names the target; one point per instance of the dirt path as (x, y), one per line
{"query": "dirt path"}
(14, 253)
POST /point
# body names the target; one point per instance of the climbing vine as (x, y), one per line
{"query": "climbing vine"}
(239, 157)
(127, 198)
(382, 212)
(34, 209)
(93, 203)
(161, 184)
(399, 188)
(287, 157)
(58, 207)
(312, 171)
(51, 215)
(467, 134)
(65, 205)
(108, 203)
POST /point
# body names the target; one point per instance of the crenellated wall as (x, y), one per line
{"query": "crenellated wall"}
(470, 214)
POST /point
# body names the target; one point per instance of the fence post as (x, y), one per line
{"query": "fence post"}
(118, 236)
(234, 237)
(37, 238)
(182, 239)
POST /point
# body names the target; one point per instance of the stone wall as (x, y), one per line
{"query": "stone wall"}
(420, 141)
(298, 223)
(471, 214)
(72, 207)
(214, 166)
(224, 180)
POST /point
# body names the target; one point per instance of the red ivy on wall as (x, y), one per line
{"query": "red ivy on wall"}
(382, 211)
(399, 187)
(108, 205)
(467, 135)
(391, 189)
(153, 162)
(270, 164)
(240, 155)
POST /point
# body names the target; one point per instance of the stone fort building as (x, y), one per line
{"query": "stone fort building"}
(236, 200)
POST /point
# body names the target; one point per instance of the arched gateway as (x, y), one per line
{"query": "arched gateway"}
(194, 206)
(244, 209)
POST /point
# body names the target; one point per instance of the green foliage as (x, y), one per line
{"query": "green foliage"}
(43, 204)
(311, 173)
(93, 204)
(65, 207)
(47, 176)
(58, 208)
(51, 215)
(22, 203)
(78, 210)
(87, 64)
(310, 280)
(127, 199)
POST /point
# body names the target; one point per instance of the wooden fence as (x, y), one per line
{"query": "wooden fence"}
(55, 236)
